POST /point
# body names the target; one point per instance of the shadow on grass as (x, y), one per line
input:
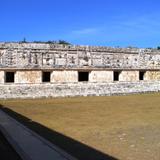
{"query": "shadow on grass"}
(71, 146)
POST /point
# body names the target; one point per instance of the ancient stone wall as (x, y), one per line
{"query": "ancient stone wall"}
(76, 89)
(129, 76)
(103, 70)
(28, 77)
(152, 75)
(101, 76)
(2, 77)
(49, 56)
(64, 76)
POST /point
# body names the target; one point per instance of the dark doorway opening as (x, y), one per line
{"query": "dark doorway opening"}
(141, 75)
(46, 76)
(83, 76)
(116, 75)
(9, 77)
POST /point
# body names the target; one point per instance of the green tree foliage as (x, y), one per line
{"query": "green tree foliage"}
(63, 42)
(158, 47)
(54, 42)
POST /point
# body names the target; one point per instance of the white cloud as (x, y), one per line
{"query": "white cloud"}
(86, 31)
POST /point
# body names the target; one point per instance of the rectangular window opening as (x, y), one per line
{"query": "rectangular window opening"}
(9, 77)
(83, 76)
(46, 76)
(116, 75)
(141, 75)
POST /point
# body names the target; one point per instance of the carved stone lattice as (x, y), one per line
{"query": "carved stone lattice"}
(52, 55)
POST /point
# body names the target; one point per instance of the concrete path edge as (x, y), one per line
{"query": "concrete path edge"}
(18, 149)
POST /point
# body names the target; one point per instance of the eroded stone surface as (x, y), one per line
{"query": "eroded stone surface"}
(28, 61)
(76, 89)
(32, 55)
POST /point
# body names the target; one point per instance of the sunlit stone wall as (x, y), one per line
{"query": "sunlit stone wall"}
(28, 61)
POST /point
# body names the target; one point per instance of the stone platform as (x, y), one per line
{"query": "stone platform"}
(76, 89)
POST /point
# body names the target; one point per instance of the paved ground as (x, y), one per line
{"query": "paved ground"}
(28, 144)
(6, 151)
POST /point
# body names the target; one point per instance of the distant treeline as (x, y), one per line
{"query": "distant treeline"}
(47, 42)
(68, 43)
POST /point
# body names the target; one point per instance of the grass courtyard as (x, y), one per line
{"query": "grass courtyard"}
(95, 128)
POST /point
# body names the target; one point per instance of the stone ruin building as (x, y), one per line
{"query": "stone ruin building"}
(34, 70)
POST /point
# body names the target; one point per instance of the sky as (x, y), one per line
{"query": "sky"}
(116, 23)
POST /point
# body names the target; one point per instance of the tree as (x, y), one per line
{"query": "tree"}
(63, 42)
(24, 40)
(158, 47)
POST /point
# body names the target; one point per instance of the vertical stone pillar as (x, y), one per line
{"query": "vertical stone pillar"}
(2, 77)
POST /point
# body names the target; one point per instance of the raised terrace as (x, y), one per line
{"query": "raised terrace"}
(51, 70)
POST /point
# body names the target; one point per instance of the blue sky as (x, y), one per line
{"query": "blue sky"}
(86, 22)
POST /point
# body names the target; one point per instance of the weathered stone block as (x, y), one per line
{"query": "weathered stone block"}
(28, 77)
(64, 76)
(2, 77)
(129, 76)
(152, 75)
(101, 76)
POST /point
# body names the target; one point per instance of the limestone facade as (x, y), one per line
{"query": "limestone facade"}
(52, 64)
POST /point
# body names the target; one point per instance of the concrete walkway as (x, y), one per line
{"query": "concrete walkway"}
(28, 144)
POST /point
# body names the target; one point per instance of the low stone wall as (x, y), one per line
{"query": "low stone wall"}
(76, 89)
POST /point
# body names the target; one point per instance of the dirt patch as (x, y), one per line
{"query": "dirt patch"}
(125, 127)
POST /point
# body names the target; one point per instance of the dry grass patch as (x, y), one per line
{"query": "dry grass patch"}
(126, 127)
